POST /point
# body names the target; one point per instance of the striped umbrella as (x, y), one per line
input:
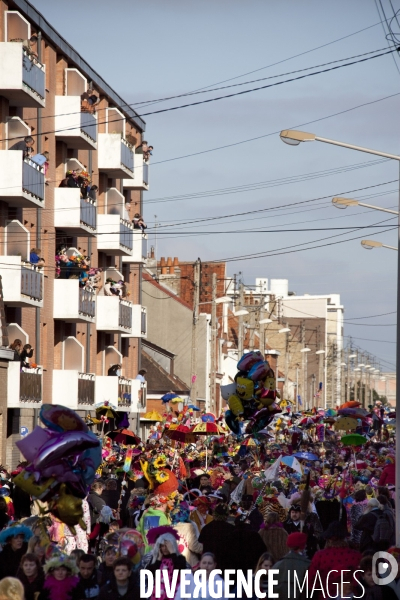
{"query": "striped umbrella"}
(208, 429)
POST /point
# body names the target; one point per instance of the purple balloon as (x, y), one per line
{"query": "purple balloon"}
(67, 444)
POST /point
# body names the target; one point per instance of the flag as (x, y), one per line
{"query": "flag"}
(272, 472)
(299, 400)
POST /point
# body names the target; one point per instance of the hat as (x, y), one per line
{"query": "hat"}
(59, 559)
(202, 500)
(296, 540)
(295, 507)
(335, 530)
(155, 532)
(13, 530)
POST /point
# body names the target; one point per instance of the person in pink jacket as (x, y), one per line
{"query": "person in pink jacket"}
(388, 476)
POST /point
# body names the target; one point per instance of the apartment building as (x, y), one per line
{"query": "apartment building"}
(78, 329)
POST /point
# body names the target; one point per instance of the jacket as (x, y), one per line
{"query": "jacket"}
(274, 537)
(213, 537)
(10, 560)
(367, 525)
(87, 588)
(188, 544)
(96, 503)
(292, 562)
(110, 590)
(388, 476)
(332, 559)
(31, 587)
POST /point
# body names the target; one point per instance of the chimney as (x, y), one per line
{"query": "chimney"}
(152, 252)
(169, 265)
(164, 269)
(176, 261)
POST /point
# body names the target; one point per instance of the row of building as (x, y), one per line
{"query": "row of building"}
(79, 285)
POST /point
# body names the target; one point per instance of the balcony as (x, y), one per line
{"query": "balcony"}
(22, 282)
(74, 389)
(22, 77)
(72, 303)
(113, 315)
(139, 248)
(24, 388)
(121, 392)
(73, 214)
(21, 181)
(115, 156)
(76, 128)
(141, 175)
(115, 235)
(139, 322)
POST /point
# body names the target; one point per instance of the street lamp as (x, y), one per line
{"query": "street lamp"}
(371, 244)
(339, 202)
(294, 138)
(264, 321)
(284, 330)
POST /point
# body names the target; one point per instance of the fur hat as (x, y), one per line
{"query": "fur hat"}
(296, 540)
(13, 530)
(59, 559)
(335, 530)
(170, 538)
(154, 533)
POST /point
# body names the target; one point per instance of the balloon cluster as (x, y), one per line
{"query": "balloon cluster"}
(62, 461)
(252, 395)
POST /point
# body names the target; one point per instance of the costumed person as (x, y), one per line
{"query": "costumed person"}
(274, 536)
(208, 564)
(213, 535)
(243, 546)
(366, 524)
(336, 557)
(14, 540)
(295, 524)
(81, 536)
(388, 476)
(11, 589)
(61, 579)
(31, 575)
(294, 561)
(356, 512)
(189, 544)
(61, 535)
(200, 516)
(165, 555)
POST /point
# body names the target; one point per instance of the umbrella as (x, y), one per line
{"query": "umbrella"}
(180, 433)
(264, 432)
(208, 429)
(345, 423)
(176, 400)
(351, 404)
(124, 436)
(167, 397)
(306, 455)
(107, 410)
(353, 439)
(330, 412)
(250, 441)
(295, 430)
(306, 421)
(208, 418)
(153, 415)
(293, 463)
(193, 407)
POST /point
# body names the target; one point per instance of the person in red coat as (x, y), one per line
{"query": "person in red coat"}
(336, 556)
(388, 476)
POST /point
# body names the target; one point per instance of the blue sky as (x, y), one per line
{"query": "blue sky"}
(150, 50)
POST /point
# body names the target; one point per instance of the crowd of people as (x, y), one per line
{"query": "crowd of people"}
(288, 501)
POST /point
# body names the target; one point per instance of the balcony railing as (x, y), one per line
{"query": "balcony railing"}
(126, 234)
(30, 387)
(86, 383)
(125, 315)
(87, 303)
(32, 283)
(124, 392)
(33, 179)
(33, 74)
(88, 213)
(126, 155)
(89, 125)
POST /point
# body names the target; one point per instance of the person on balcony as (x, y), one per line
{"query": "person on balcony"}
(26, 145)
(35, 258)
(148, 153)
(71, 180)
(114, 371)
(138, 222)
(142, 148)
(27, 352)
(17, 347)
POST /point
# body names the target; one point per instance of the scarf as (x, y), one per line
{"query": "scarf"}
(60, 590)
